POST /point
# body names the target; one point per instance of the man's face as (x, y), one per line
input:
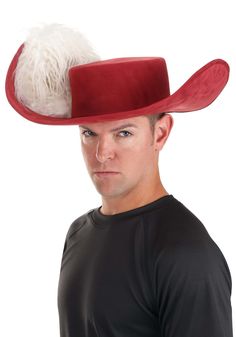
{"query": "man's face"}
(125, 147)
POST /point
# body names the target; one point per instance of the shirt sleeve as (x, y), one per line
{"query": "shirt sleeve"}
(193, 290)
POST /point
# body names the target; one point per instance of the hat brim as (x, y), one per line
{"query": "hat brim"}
(199, 91)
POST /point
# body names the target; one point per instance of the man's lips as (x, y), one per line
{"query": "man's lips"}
(105, 173)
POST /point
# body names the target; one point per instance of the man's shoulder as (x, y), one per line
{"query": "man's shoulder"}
(176, 229)
(176, 220)
(78, 223)
(181, 242)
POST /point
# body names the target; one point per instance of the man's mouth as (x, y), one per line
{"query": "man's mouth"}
(105, 173)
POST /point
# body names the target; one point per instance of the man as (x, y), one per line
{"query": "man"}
(141, 264)
(130, 149)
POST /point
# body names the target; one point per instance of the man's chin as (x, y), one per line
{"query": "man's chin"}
(108, 192)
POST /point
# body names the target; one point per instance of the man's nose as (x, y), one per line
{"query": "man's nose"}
(105, 150)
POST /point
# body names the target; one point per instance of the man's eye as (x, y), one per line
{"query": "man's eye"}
(126, 132)
(86, 135)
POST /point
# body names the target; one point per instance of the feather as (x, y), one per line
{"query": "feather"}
(41, 75)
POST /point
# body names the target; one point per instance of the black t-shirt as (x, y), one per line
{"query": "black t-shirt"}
(153, 271)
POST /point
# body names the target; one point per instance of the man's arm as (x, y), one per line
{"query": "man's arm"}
(192, 291)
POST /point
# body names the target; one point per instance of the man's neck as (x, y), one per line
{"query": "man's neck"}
(131, 201)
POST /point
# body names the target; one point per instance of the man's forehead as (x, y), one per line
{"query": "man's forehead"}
(114, 125)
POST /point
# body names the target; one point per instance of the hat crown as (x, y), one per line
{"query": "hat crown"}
(115, 85)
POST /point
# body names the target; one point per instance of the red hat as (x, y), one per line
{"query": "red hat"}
(125, 87)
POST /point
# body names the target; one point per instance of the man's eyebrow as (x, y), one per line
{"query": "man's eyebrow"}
(123, 126)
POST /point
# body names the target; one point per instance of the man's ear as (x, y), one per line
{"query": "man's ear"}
(162, 130)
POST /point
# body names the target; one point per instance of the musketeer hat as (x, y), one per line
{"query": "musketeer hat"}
(56, 78)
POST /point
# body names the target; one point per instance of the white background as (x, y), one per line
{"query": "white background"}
(44, 184)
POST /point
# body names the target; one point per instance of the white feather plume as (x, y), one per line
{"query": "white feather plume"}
(41, 75)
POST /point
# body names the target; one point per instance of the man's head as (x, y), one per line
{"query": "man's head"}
(132, 151)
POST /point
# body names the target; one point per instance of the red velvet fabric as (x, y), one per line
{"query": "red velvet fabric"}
(126, 87)
(117, 85)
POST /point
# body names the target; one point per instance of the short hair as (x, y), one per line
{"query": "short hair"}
(153, 118)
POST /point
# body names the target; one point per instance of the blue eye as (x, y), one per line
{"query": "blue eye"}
(127, 132)
(84, 133)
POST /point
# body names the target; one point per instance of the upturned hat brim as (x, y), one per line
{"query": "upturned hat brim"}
(199, 91)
